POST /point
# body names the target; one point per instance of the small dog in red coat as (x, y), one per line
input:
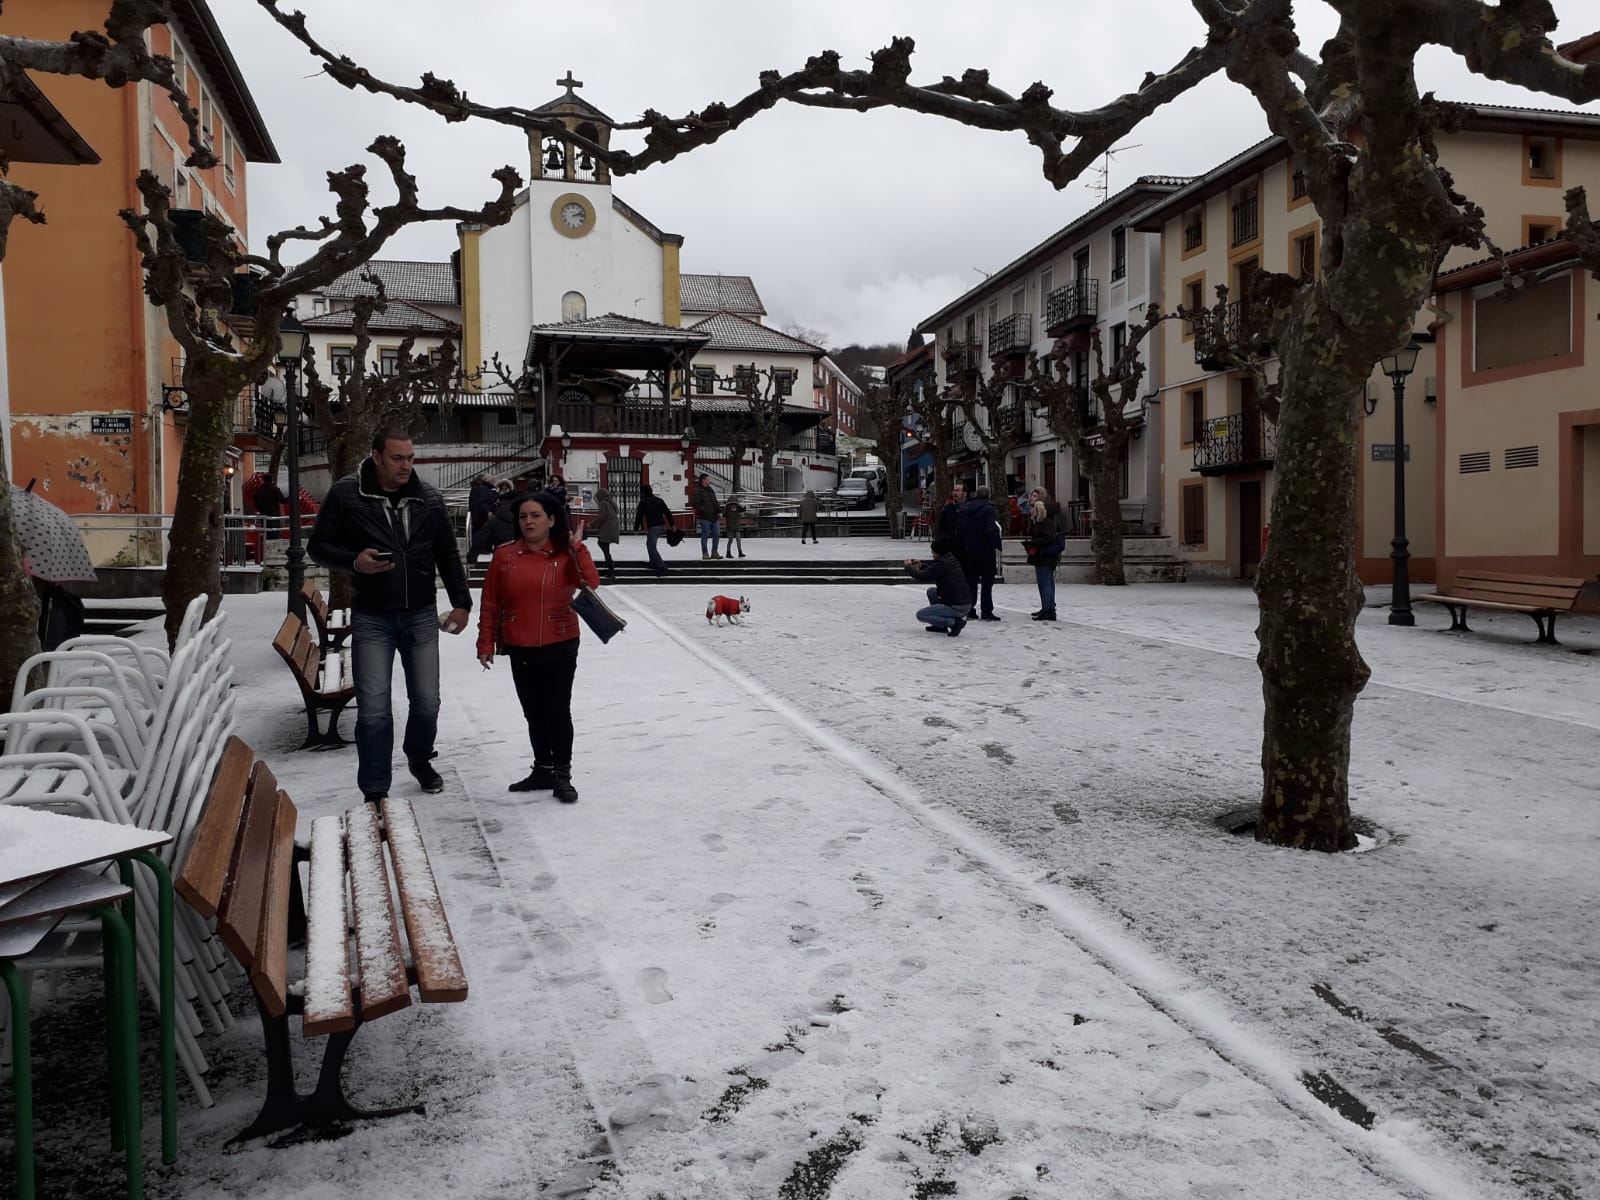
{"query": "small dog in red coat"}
(726, 606)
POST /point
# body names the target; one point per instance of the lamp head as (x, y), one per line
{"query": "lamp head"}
(1402, 362)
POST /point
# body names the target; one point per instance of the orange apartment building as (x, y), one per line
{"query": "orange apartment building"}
(1502, 431)
(88, 355)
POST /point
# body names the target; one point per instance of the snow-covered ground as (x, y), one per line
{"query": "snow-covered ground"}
(850, 909)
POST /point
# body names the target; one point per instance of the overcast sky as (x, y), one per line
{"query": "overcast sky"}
(856, 225)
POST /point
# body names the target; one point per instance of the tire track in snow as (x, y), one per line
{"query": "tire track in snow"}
(1179, 997)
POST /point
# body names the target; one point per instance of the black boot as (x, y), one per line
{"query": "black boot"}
(541, 779)
(562, 786)
(1045, 614)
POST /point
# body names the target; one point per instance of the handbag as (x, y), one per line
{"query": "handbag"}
(674, 535)
(604, 623)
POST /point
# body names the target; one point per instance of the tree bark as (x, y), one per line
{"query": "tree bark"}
(1311, 669)
(1105, 538)
(194, 547)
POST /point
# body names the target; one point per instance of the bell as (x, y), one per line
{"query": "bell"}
(553, 161)
(585, 163)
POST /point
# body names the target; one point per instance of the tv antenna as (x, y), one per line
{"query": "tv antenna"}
(1103, 183)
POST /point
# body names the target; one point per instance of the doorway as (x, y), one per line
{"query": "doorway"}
(623, 477)
(1249, 527)
(1047, 472)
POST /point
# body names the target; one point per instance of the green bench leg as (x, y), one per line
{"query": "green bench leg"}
(21, 1077)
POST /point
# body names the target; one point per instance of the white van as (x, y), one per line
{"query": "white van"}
(876, 477)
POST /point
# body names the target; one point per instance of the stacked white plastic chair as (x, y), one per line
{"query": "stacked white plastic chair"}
(132, 735)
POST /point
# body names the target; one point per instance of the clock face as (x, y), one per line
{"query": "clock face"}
(573, 215)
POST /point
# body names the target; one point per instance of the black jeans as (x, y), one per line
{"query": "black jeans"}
(806, 526)
(543, 675)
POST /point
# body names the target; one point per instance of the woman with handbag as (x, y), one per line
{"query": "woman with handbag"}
(527, 612)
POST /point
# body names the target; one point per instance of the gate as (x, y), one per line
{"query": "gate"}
(623, 476)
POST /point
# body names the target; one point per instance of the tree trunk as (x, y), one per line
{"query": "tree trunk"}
(194, 549)
(344, 458)
(19, 604)
(1105, 539)
(1309, 592)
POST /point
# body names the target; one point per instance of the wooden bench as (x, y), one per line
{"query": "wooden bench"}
(240, 870)
(1542, 597)
(324, 681)
(333, 625)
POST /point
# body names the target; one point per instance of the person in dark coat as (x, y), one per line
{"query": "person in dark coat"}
(949, 597)
(808, 516)
(1045, 542)
(480, 505)
(979, 532)
(392, 533)
(653, 516)
(944, 525)
(732, 515)
(269, 501)
(608, 529)
(501, 527)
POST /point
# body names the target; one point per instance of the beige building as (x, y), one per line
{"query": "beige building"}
(1218, 451)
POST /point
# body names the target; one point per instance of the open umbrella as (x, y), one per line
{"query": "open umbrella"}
(52, 542)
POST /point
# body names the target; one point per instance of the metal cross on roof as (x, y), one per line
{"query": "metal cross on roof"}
(569, 83)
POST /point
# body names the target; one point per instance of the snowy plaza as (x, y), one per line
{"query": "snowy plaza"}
(850, 910)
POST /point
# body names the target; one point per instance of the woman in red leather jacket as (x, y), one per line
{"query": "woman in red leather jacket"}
(526, 612)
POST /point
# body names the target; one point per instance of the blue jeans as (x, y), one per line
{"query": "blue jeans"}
(375, 637)
(712, 530)
(941, 616)
(1046, 579)
(652, 535)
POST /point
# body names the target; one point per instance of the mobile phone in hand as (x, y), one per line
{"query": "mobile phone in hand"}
(383, 554)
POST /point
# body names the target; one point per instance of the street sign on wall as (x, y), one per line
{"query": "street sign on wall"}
(111, 425)
(1384, 451)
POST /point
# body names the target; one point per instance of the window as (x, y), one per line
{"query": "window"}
(180, 67)
(1534, 328)
(1542, 159)
(705, 381)
(1080, 267)
(318, 306)
(1194, 415)
(1047, 284)
(1305, 257)
(574, 307)
(1194, 300)
(746, 380)
(389, 361)
(1193, 533)
(341, 359)
(1019, 300)
(1297, 186)
(783, 381)
(180, 189)
(1119, 252)
(227, 157)
(1119, 343)
(1539, 229)
(1194, 230)
(205, 118)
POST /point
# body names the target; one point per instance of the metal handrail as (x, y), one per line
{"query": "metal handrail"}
(1079, 300)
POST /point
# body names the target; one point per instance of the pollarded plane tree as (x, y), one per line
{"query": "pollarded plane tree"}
(117, 56)
(885, 409)
(215, 370)
(1389, 214)
(993, 411)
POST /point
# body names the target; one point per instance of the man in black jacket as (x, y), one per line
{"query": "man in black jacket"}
(978, 542)
(653, 516)
(949, 597)
(392, 533)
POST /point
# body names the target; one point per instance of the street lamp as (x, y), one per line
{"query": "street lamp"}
(1397, 366)
(291, 344)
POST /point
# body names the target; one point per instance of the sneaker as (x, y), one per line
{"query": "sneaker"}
(425, 775)
(990, 617)
(955, 630)
(374, 797)
(562, 786)
(540, 779)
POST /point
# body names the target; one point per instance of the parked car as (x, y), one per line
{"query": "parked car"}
(855, 492)
(876, 476)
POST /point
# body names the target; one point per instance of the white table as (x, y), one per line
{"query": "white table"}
(43, 856)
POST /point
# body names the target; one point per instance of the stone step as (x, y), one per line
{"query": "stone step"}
(748, 572)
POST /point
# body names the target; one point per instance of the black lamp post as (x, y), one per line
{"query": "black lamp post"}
(1397, 366)
(291, 343)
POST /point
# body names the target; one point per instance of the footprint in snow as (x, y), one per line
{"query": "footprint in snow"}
(800, 935)
(906, 968)
(720, 898)
(1170, 1090)
(653, 983)
(714, 843)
